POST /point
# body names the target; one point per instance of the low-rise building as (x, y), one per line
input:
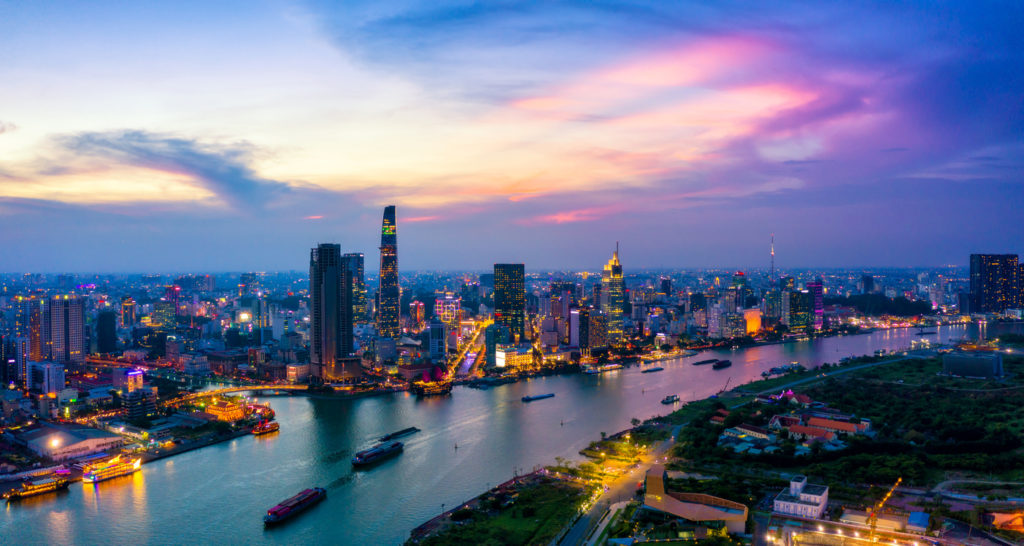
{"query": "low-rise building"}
(802, 499)
(63, 442)
(973, 364)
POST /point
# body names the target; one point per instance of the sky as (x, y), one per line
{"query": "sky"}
(210, 136)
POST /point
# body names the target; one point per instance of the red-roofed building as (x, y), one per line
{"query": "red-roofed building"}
(837, 426)
(802, 432)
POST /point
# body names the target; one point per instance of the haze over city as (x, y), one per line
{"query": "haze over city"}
(859, 134)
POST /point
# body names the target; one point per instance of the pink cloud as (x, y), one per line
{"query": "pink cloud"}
(578, 215)
(420, 219)
(316, 217)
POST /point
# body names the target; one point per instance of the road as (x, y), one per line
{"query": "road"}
(619, 490)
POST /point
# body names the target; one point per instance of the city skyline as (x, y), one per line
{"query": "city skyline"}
(859, 135)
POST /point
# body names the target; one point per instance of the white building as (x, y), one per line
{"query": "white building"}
(46, 377)
(60, 443)
(802, 499)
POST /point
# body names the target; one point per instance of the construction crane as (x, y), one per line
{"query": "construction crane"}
(877, 508)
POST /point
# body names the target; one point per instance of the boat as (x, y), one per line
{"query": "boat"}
(703, 362)
(377, 453)
(111, 469)
(538, 397)
(433, 388)
(399, 434)
(602, 369)
(37, 487)
(265, 427)
(670, 399)
(294, 505)
(722, 364)
(652, 370)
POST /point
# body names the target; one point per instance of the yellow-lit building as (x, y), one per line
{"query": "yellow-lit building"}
(224, 410)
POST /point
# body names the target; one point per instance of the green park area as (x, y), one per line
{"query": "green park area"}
(534, 515)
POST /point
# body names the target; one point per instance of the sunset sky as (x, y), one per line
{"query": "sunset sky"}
(236, 135)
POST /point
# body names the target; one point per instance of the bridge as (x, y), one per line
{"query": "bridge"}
(241, 388)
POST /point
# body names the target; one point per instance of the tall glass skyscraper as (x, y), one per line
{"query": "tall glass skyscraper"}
(354, 265)
(388, 293)
(613, 296)
(66, 318)
(510, 297)
(995, 286)
(330, 311)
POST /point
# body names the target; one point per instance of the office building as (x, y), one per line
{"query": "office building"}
(802, 499)
(448, 308)
(331, 334)
(388, 292)
(613, 296)
(140, 404)
(437, 337)
(66, 320)
(417, 316)
(28, 323)
(127, 311)
(106, 332)
(510, 297)
(817, 304)
(800, 311)
(46, 377)
(994, 282)
(127, 380)
(354, 265)
(988, 365)
(495, 335)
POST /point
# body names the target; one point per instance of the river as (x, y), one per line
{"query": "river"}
(219, 493)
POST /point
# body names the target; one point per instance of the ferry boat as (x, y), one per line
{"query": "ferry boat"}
(652, 370)
(434, 388)
(377, 453)
(670, 399)
(538, 397)
(111, 469)
(399, 434)
(722, 364)
(37, 487)
(703, 362)
(265, 427)
(294, 505)
(602, 369)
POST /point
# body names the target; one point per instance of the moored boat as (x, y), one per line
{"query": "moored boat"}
(377, 453)
(294, 505)
(265, 427)
(111, 469)
(708, 361)
(37, 487)
(670, 399)
(722, 364)
(538, 397)
(652, 370)
(433, 388)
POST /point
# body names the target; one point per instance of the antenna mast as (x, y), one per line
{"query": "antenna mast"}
(771, 276)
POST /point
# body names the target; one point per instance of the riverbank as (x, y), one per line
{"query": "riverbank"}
(619, 470)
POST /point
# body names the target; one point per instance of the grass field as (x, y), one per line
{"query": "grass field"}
(536, 517)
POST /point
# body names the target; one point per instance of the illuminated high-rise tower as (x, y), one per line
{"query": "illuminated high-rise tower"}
(330, 290)
(354, 265)
(66, 320)
(994, 283)
(613, 296)
(388, 293)
(510, 297)
(29, 324)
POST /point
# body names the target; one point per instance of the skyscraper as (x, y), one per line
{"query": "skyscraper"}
(330, 311)
(28, 323)
(613, 296)
(354, 265)
(510, 297)
(817, 304)
(127, 311)
(388, 293)
(994, 282)
(65, 318)
(106, 332)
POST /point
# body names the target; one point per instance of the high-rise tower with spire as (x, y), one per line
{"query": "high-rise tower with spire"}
(613, 296)
(388, 293)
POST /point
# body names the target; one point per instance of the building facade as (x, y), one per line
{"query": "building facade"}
(994, 282)
(331, 335)
(510, 297)
(613, 297)
(388, 292)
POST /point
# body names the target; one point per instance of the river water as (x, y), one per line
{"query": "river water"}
(220, 493)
